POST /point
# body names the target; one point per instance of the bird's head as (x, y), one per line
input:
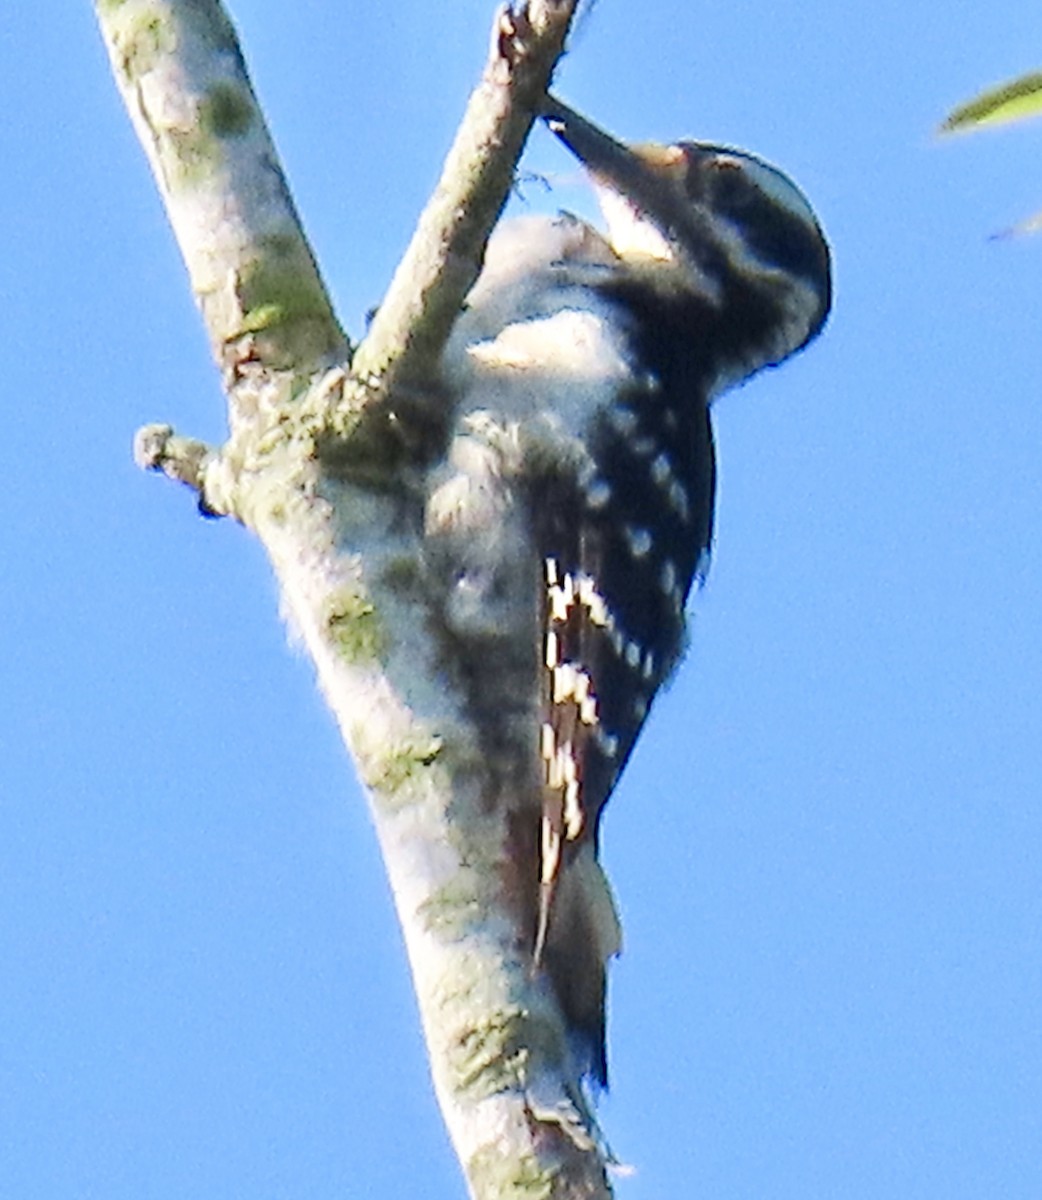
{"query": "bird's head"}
(735, 231)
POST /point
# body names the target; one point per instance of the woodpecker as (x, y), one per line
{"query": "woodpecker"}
(573, 509)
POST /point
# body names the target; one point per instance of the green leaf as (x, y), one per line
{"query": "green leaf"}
(1011, 101)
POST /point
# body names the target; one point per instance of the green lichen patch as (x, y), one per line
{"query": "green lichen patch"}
(392, 776)
(196, 155)
(489, 1055)
(455, 908)
(226, 111)
(262, 316)
(495, 1176)
(144, 37)
(354, 627)
(282, 297)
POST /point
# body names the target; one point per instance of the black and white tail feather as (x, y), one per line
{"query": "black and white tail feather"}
(575, 507)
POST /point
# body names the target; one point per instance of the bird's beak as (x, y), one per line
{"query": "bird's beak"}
(646, 174)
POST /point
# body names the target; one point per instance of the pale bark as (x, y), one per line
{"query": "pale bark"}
(315, 466)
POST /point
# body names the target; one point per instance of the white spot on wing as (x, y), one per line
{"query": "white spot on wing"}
(547, 742)
(564, 682)
(573, 813)
(594, 601)
(552, 649)
(668, 577)
(598, 494)
(638, 541)
(679, 501)
(622, 419)
(608, 743)
(661, 470)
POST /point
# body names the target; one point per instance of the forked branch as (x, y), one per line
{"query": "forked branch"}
(303, 469)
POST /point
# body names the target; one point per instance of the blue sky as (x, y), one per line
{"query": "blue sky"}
(828, 848)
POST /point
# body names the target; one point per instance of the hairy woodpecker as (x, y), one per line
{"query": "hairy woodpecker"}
(574, 506)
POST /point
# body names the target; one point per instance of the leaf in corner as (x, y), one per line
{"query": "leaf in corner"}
(1013, 101)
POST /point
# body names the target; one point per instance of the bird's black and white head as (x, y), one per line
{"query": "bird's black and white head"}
(714, 230)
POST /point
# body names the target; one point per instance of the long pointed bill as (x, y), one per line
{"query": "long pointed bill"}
(643, 175)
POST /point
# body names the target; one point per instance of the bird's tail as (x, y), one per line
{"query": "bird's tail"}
(575, 944)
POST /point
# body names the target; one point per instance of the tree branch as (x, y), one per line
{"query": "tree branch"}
(444, 257)
(337, 511)
(182, 77)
